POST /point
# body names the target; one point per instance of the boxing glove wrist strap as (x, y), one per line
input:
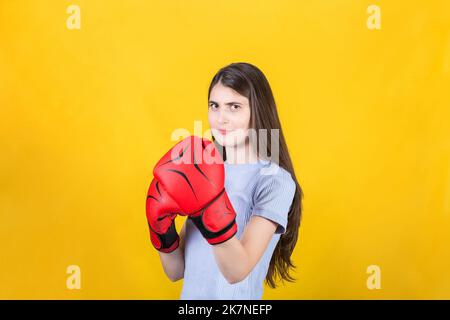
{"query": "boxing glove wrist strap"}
(166, 242)
(214, 237)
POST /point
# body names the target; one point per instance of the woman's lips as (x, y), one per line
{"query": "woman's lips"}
(224, 132)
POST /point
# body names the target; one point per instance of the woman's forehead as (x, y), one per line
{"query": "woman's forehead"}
(226, 94)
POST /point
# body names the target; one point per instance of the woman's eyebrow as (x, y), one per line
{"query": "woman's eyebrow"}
(228, 103)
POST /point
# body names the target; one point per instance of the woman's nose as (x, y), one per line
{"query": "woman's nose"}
(223, 117)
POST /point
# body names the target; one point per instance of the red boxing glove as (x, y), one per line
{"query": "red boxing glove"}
(161, 212)
(193, 174)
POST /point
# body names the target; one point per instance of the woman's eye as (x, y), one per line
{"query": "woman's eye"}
(212, 106)
(235, 107)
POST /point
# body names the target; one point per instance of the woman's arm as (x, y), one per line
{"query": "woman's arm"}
(236, 259)
(173, 262)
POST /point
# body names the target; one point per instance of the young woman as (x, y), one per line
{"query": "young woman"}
(267, 202)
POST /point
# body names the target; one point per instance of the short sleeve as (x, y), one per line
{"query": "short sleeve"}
(273, 198)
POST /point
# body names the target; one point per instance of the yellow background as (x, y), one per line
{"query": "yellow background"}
(85, 114)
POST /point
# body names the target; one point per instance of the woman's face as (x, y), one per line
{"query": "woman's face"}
(228, 116)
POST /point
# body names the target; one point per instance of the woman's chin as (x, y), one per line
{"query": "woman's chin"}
(229, 141)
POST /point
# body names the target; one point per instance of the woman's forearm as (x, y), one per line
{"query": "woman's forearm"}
(173, 264)
(232, 260)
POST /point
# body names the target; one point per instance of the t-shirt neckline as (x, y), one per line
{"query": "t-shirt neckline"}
(260, 161)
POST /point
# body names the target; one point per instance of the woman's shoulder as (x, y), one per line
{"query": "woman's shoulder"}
(274, 193)
(274, 176)
(272, 170)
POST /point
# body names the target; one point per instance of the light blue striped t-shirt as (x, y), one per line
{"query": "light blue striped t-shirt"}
(262, 189)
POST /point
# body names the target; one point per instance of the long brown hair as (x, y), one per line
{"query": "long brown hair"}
(249, 81)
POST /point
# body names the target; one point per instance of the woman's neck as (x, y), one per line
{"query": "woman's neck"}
(240, 155)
